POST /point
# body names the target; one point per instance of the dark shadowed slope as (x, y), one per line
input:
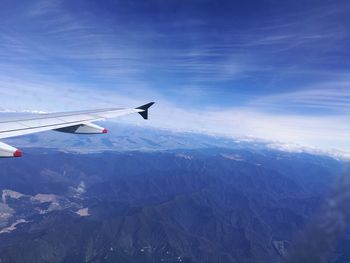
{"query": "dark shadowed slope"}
(213, 205)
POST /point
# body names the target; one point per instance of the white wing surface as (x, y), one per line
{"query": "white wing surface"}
(80, 122)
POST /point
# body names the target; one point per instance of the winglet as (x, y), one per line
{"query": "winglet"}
(145, 108)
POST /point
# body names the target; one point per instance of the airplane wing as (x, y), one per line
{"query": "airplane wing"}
(79, 122)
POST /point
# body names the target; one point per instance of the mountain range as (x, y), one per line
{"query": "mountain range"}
(146, 195)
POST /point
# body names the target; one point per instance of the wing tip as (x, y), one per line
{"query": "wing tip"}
(145, 108)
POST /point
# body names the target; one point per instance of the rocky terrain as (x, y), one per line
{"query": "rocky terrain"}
(239, 204)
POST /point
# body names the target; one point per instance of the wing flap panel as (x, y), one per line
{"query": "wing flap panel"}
(11, 126)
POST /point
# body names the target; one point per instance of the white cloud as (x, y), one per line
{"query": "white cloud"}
(333, 97)
(288, 147)
(107, 55)
(308, 130)
(324, 131)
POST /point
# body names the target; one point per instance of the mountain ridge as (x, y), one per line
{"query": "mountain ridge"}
(201, 205)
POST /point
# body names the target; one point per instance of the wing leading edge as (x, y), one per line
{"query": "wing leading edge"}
(80, 122)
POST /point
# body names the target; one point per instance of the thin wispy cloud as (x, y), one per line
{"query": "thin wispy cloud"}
(278, 74)
(328, 99)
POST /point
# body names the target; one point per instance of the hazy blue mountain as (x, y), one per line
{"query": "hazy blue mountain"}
(125, 137)
(183, 198)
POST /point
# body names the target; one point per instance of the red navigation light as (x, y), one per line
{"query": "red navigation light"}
(17, 153)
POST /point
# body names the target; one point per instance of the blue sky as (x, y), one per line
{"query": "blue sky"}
(277, 70)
